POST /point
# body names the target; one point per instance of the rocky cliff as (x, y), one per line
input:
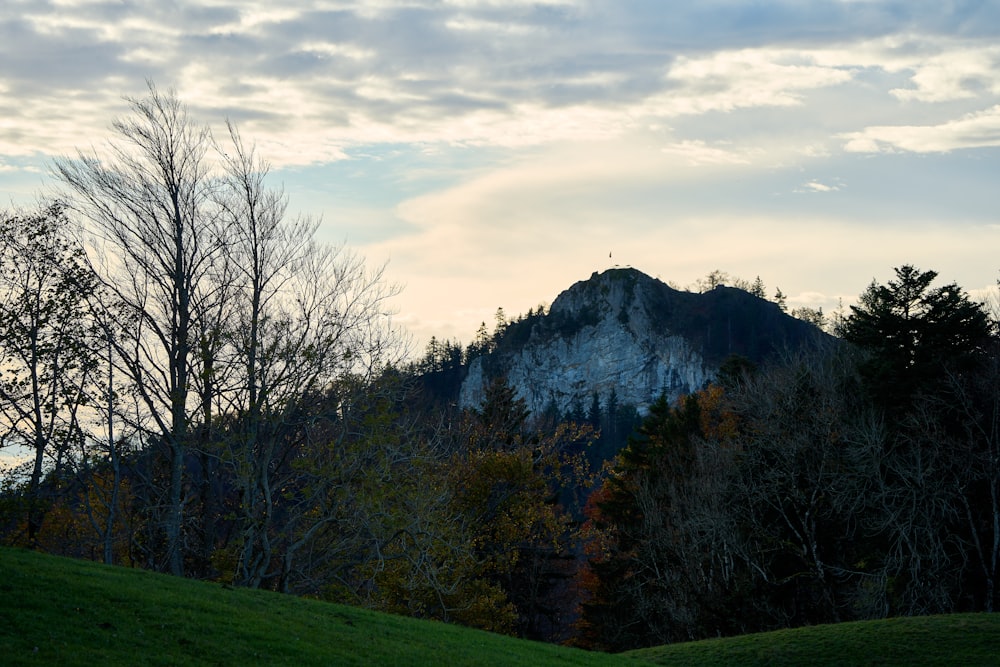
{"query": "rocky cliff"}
(626, 331)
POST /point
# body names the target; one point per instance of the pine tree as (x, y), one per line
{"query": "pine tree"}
(631, 575)
(914, 333)
(779, 298)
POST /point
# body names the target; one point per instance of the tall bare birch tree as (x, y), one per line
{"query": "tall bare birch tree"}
(235, 312)
(147, 203)
(302, 315)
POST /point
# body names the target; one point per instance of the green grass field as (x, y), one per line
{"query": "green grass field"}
(962, 640)
(56, 611)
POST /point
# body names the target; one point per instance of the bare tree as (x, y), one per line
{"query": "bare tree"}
(147, 202)
(978, 402)
(938, 496)
(690, 545)
(804, 466)
(301, 315)
(235, 314)
(110, 433)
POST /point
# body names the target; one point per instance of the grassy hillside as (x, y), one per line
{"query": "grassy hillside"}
(55, 611)
(960, 639)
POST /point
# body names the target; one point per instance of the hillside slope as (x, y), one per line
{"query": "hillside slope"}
(59, 611)
(968, 640)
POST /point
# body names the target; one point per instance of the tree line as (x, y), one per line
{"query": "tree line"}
(201, 387)
(166, 302)
(857, 480)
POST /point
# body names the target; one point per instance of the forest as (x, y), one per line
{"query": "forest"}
(199, 386)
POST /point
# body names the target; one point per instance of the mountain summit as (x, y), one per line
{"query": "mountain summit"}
(626, 332)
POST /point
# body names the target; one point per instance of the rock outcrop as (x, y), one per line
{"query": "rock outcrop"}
(625, 331)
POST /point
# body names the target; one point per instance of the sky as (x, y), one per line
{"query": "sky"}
(494, 152)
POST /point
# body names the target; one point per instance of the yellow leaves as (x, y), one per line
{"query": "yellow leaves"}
(74, 525)
(485, 606)
(718, 421)
(225, 561)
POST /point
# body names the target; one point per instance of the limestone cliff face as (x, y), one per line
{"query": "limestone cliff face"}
(624, 331)
(597, 359)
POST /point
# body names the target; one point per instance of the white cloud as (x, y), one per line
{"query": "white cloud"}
(730, 80)
(816, 186)
(473, 4)
(335, 49)
(697, 152)
(957, 73)
(12, 169)
(467, 24)
(253, 19)
(937, 68)
(975, 130)
(311, 94)
(13, 457)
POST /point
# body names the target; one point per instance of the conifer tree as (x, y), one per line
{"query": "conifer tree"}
(913, 333)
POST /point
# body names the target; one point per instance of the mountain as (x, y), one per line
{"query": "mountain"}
(624, 331)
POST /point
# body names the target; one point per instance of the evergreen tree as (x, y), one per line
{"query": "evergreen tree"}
(594, 413)
(503, 414)
(779, 298)
(609, 427)
(935, 483)
(642, 575)
(813, 316)
(914, 333)
(483, 343)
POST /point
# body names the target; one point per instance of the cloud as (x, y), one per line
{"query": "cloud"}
(957, 73)
(697, 152)
(467, 24)
(313, 80)
(975, 130)
(473, 4)
(730, 80)
(922, 54)
(476, 108)
(495, 150)
(20, 168)
(816, 186)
